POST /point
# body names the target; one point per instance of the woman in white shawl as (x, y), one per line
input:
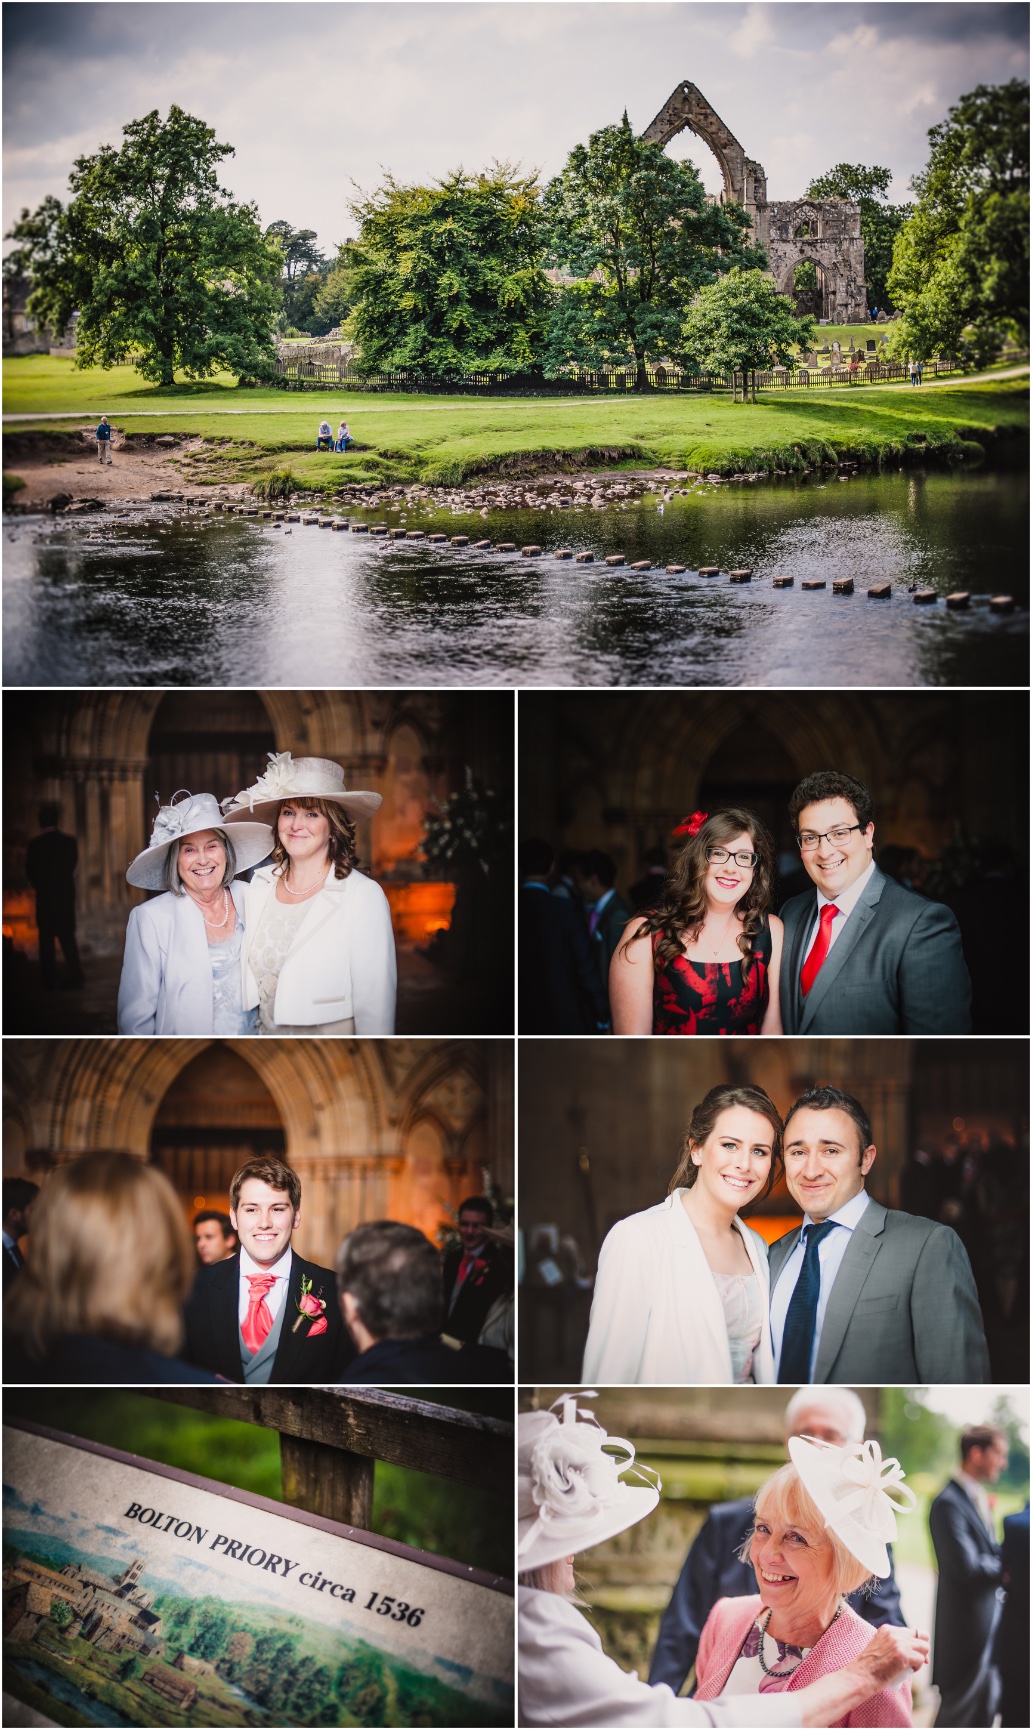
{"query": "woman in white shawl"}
(683, 1289)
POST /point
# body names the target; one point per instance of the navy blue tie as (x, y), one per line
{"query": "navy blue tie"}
(801, 1319)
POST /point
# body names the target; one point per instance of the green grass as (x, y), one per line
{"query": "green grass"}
(445, 440)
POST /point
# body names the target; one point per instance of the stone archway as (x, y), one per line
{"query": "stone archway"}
(744, 180)
(207, 742)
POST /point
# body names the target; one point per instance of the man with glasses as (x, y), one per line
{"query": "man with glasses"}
(862, 954)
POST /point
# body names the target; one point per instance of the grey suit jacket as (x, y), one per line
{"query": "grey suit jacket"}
(903, 1307)
(898, 967)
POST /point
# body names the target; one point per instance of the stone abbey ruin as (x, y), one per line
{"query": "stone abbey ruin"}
(824, 231)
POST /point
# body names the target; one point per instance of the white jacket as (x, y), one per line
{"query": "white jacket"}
(341, 962)
(656, 1314)
(166, 971)
(565, 1678)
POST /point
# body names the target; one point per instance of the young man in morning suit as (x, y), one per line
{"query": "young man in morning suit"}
(475, 1275)
(861, 953)
(241, 1313)
(967, 1599)
(861, 1293)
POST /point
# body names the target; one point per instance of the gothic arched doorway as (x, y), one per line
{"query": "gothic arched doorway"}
(216, 1114)
(206, 741)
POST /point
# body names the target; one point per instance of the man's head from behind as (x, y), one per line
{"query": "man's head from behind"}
(536, 858)
(389, 1283)
(829, 1414)
(213, 1235)
(832, 817)
(19, 1195)
(594, 874)
(264, 1208)
(49, 816)
(984, 1452)
(828, 1150)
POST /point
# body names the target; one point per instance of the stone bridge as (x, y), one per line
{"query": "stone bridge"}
(821, 231)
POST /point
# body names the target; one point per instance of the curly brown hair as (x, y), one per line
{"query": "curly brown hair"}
(725, 1097)
(343, 850)
(679, 914)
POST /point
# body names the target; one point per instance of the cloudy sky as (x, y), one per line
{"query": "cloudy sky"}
(316, 96)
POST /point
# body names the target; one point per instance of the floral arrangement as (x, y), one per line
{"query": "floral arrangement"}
(469, 829)
(310, 1310)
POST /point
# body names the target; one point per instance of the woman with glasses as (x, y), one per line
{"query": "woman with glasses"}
(707, 958)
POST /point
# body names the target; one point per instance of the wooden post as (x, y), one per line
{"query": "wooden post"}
(328, 1481)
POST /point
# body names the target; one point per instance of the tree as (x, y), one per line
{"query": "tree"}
(742, 324)
(633, 226)
(447, 279)
(155, 256)
(960, 265)
(60, 1613)
(880, 222)
(303, 275)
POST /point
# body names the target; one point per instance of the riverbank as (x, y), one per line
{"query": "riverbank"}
(229, 437)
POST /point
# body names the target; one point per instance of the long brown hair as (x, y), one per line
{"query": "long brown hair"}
(341, 842)
(725, 1097)
(681, 910)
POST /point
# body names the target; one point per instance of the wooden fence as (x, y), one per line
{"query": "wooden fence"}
(331, 1439)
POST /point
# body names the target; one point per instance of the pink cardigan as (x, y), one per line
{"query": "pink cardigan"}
(729, 1622)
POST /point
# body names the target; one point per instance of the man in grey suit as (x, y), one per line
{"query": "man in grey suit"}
(967, 1601)
(861, 953)
(861, 1293)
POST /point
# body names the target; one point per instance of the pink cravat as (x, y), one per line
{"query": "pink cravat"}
(257, 1324)
(819, 953)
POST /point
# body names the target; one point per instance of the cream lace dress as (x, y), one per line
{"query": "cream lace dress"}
(276, 930)
(743, 1312)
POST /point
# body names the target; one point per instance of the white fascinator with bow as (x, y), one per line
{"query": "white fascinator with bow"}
(570, 1484)
(287, 777)
(192, 815)
(858, 1493)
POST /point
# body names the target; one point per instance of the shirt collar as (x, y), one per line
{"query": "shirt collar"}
(849, 897)
(603, 901)
(9, 1242)
(529, 883)
(847, 1215)
(281, 1269)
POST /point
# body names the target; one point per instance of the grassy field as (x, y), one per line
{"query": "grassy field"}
(449, 439)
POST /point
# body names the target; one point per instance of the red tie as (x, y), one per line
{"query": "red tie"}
(257, 1325)
(819, 953)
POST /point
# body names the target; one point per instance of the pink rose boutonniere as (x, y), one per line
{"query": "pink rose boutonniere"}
(476, 1273)
(310, 1309)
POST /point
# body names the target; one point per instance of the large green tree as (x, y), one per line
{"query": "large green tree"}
(960, 265)
(155, 256)
(302, 278)
(447, 279)
(740, 323)
(633, 227)
(880, 221)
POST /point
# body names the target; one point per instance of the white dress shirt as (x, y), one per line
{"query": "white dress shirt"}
(845, 904)
(830, 1253)
(276, 1296)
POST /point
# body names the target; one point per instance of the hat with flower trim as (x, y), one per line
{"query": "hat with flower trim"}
(290, 777)
(569, 1484)
(854, 1490)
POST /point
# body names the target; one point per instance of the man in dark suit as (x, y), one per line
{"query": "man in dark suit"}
(266, 1315)
(608, 913)
(713, 1567)
(970, 1571)
(50, 862)
(1010, 1648)
(389, 1283)
(559, 987)
(860, 1293)
(475, 1275)
(18, 1197)
(861, 953)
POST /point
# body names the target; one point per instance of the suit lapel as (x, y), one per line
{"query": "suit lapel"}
(865, 1241)
(794, 959)
(843, 948)
(225, 1324)
(779, 1254)
(291, 1344)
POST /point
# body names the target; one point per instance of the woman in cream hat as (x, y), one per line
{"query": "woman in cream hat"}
(571, 1495)
(318, 951)
(181, 970)
(822, 1525)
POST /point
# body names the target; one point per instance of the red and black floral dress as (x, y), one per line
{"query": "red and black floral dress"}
(711, 996)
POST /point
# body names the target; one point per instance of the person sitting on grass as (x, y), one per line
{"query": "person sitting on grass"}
(324, 437)
(344, 437)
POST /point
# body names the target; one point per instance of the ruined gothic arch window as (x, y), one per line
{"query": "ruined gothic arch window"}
(687, 145)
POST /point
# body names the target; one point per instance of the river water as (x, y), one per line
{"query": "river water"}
(156, 597)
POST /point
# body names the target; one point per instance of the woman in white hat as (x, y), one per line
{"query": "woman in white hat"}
(822, 1524)
(181, 969)
(318, 951)
(570, 1497)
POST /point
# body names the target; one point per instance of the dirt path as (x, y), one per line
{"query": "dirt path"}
(74, 470)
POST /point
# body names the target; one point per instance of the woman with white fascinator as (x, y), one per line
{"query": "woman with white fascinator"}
(318, 953)
(571, 1496)
(181, 969)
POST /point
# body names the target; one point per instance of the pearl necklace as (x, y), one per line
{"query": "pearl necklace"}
(298, 893)
(763, 1634)
(216, 924)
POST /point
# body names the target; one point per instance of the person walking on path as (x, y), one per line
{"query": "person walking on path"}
(103, 437)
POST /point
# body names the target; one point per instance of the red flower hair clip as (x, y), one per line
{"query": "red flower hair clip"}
(690, 826)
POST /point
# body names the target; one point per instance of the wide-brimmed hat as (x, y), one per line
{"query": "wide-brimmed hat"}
(252, 842)
(853, 1488)
(290, 777)
(570, 1494)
